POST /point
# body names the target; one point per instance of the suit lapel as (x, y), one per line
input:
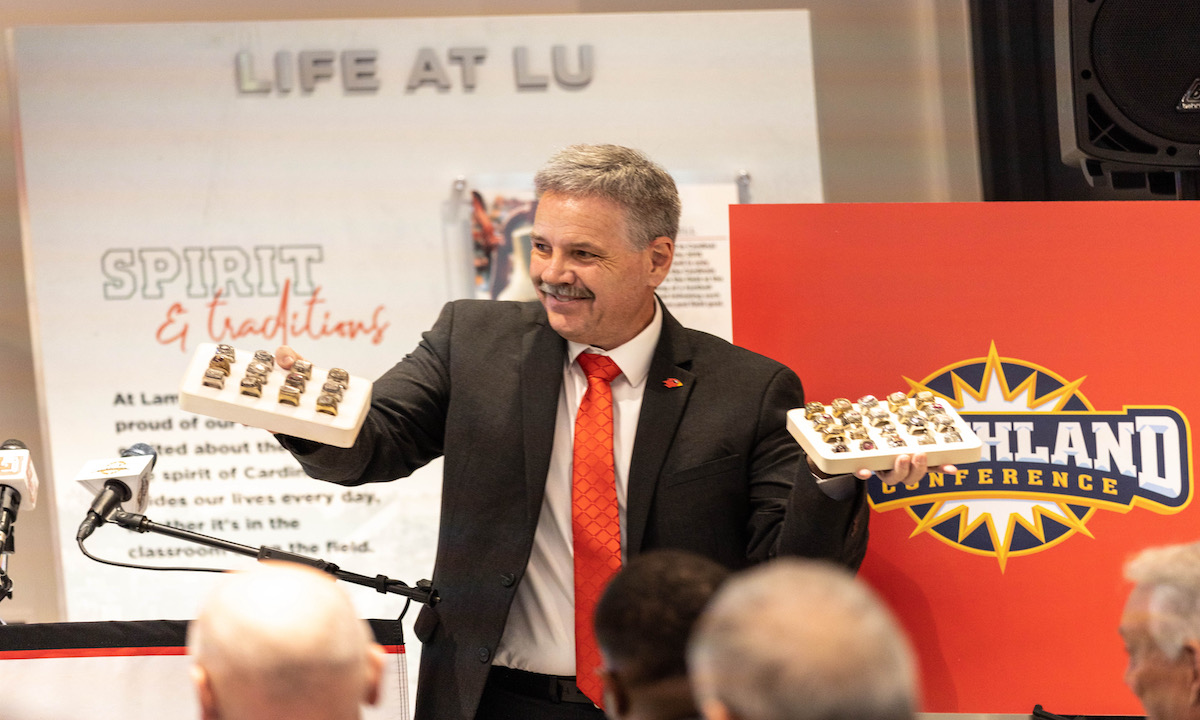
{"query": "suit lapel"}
(542, 353)
(662, 408)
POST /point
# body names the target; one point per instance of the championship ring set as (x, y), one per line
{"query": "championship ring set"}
(327, 406)
(845, 436)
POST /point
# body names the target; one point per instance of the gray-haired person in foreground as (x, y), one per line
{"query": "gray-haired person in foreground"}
(282, 641)
(1161, 630)
(800, 640)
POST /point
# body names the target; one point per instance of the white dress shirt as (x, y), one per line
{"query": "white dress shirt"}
(540, 633)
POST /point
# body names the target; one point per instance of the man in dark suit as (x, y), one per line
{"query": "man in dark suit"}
(698, 451)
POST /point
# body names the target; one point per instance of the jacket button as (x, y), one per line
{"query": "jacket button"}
(507, 579)
(485, 655)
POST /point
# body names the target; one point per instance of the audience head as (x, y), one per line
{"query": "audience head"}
(801, 640)
(1161, 630)
(643, 621)
(282, 640)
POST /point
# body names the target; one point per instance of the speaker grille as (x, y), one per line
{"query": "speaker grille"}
(1146, 56)
(1106, 133)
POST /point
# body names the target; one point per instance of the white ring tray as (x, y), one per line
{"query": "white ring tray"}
(302, 421)
(968, 449)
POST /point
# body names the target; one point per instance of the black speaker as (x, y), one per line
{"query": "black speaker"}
(1128, 77)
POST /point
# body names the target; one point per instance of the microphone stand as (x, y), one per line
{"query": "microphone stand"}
(10, 500)
(422, 593)
(6, 583)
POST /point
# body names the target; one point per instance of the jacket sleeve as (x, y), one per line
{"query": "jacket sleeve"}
(405, 424)
(790, 513)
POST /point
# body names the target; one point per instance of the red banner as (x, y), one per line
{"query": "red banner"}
(1063, 333)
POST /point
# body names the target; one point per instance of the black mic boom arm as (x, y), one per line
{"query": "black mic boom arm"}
(423, 592)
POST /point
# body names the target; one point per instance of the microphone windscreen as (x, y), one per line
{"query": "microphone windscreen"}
(16, 471)
(142, 449)
(131, 472)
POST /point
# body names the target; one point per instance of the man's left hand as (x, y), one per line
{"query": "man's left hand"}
(908, 469)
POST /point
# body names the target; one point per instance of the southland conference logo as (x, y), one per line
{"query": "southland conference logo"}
(1050, 461)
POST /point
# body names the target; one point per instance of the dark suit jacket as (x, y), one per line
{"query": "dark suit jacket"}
(714, 469)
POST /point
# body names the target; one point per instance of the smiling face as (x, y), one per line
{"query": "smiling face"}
(1166, 686)
(596, 288)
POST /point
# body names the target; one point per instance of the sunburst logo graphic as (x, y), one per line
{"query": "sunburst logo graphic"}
(1050, 461)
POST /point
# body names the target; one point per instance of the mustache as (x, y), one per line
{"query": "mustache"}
(565, 291)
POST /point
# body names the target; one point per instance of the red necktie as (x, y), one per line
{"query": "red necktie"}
(595, 525)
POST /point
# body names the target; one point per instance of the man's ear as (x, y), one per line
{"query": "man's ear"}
(376, 658)
(616, 695)
(204, 693)
(1191, 656)
(662, 252)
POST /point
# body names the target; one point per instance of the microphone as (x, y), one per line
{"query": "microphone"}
(120, 484)
(18, 482)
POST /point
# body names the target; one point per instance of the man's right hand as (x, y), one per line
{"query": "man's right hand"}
(285, 357)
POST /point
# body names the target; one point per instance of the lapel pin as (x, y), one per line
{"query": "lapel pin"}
(672, 383)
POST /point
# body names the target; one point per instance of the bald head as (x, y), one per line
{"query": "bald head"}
(282, 640)
(800, 640)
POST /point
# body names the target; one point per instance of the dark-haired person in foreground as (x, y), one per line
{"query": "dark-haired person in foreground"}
(578, 432)
(643, 622)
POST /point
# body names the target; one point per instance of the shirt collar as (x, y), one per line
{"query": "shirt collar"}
(634, 356)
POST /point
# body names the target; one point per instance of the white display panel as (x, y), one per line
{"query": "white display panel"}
(179, 186)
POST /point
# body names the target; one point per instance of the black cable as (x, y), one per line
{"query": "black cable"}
(114, 563)
(423, 592)
(1041, 713)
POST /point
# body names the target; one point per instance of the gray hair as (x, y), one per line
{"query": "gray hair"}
(802, 640)
(1172, 575)
(621, 175)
